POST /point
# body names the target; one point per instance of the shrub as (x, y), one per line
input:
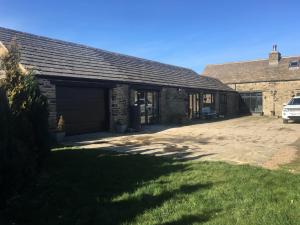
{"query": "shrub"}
(23, 126)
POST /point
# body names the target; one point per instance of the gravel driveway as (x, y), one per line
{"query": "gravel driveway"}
(261, 141)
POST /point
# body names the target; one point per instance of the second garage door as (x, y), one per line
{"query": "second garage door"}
(84, 109)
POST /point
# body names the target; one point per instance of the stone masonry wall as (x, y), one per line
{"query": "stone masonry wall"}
(284, 90)
(118, 98)
(48, 89)
(173, 105)
(119, 105)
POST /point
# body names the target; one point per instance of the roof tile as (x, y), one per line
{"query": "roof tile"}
(253, 71)
(59, 58)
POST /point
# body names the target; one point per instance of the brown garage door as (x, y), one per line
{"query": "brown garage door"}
(84, 109)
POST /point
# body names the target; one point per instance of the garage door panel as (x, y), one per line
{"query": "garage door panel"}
(84, 109)
(73, 116)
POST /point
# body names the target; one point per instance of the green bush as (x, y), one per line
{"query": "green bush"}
(23, 127)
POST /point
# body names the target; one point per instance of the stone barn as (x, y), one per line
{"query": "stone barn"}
(96, 90)
(264, 85)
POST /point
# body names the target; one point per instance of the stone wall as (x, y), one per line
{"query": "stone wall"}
(48, 89)
(283, 90)
(118, 101)
(173, 105)
(119, 105)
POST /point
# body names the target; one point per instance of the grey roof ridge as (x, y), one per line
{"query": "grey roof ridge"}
(249, 61)
(94, 48)
(206, 76)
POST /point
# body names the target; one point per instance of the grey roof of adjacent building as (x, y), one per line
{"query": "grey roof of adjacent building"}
(254, 71)
(51, 57)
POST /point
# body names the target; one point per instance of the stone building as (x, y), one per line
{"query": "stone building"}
(264, 85)
(96, 90)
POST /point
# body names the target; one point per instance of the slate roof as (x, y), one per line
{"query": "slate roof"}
(52, 57)
(254, 71)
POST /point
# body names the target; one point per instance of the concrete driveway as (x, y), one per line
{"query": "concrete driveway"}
(260, 141)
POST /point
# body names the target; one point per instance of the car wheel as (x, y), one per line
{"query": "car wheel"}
(285, 121)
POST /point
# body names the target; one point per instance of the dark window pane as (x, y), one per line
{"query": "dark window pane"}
(148, 103)
(294, 64)
(194, 105)
(295, 101)
(252, 101)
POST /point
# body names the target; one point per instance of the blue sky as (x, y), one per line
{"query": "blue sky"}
(187, 33)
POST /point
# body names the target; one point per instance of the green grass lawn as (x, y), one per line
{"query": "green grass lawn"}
(293, 166)
(94, 187)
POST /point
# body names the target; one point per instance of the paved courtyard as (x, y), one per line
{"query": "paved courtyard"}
(260, 141)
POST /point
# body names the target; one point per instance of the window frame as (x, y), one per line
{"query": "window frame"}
(294, 64)
(194, 105)
(249, 97)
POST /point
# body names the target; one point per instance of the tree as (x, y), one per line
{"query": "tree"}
(26, 139)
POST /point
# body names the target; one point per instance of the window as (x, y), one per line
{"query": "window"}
(294, 101)
(194, 105)
(209, 101)
(294, 64)
(148, 103)
(251, 102)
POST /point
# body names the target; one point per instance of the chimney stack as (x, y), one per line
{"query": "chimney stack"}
(274, 56)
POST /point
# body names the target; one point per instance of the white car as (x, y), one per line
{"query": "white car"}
(291, 110)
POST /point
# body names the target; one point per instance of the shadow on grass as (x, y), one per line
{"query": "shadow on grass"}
(190, 219)
(84, 187)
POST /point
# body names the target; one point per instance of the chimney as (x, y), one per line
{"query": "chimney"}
(274, 56)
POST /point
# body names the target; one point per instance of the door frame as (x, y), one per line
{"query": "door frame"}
(155, 99)
(251, 95)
